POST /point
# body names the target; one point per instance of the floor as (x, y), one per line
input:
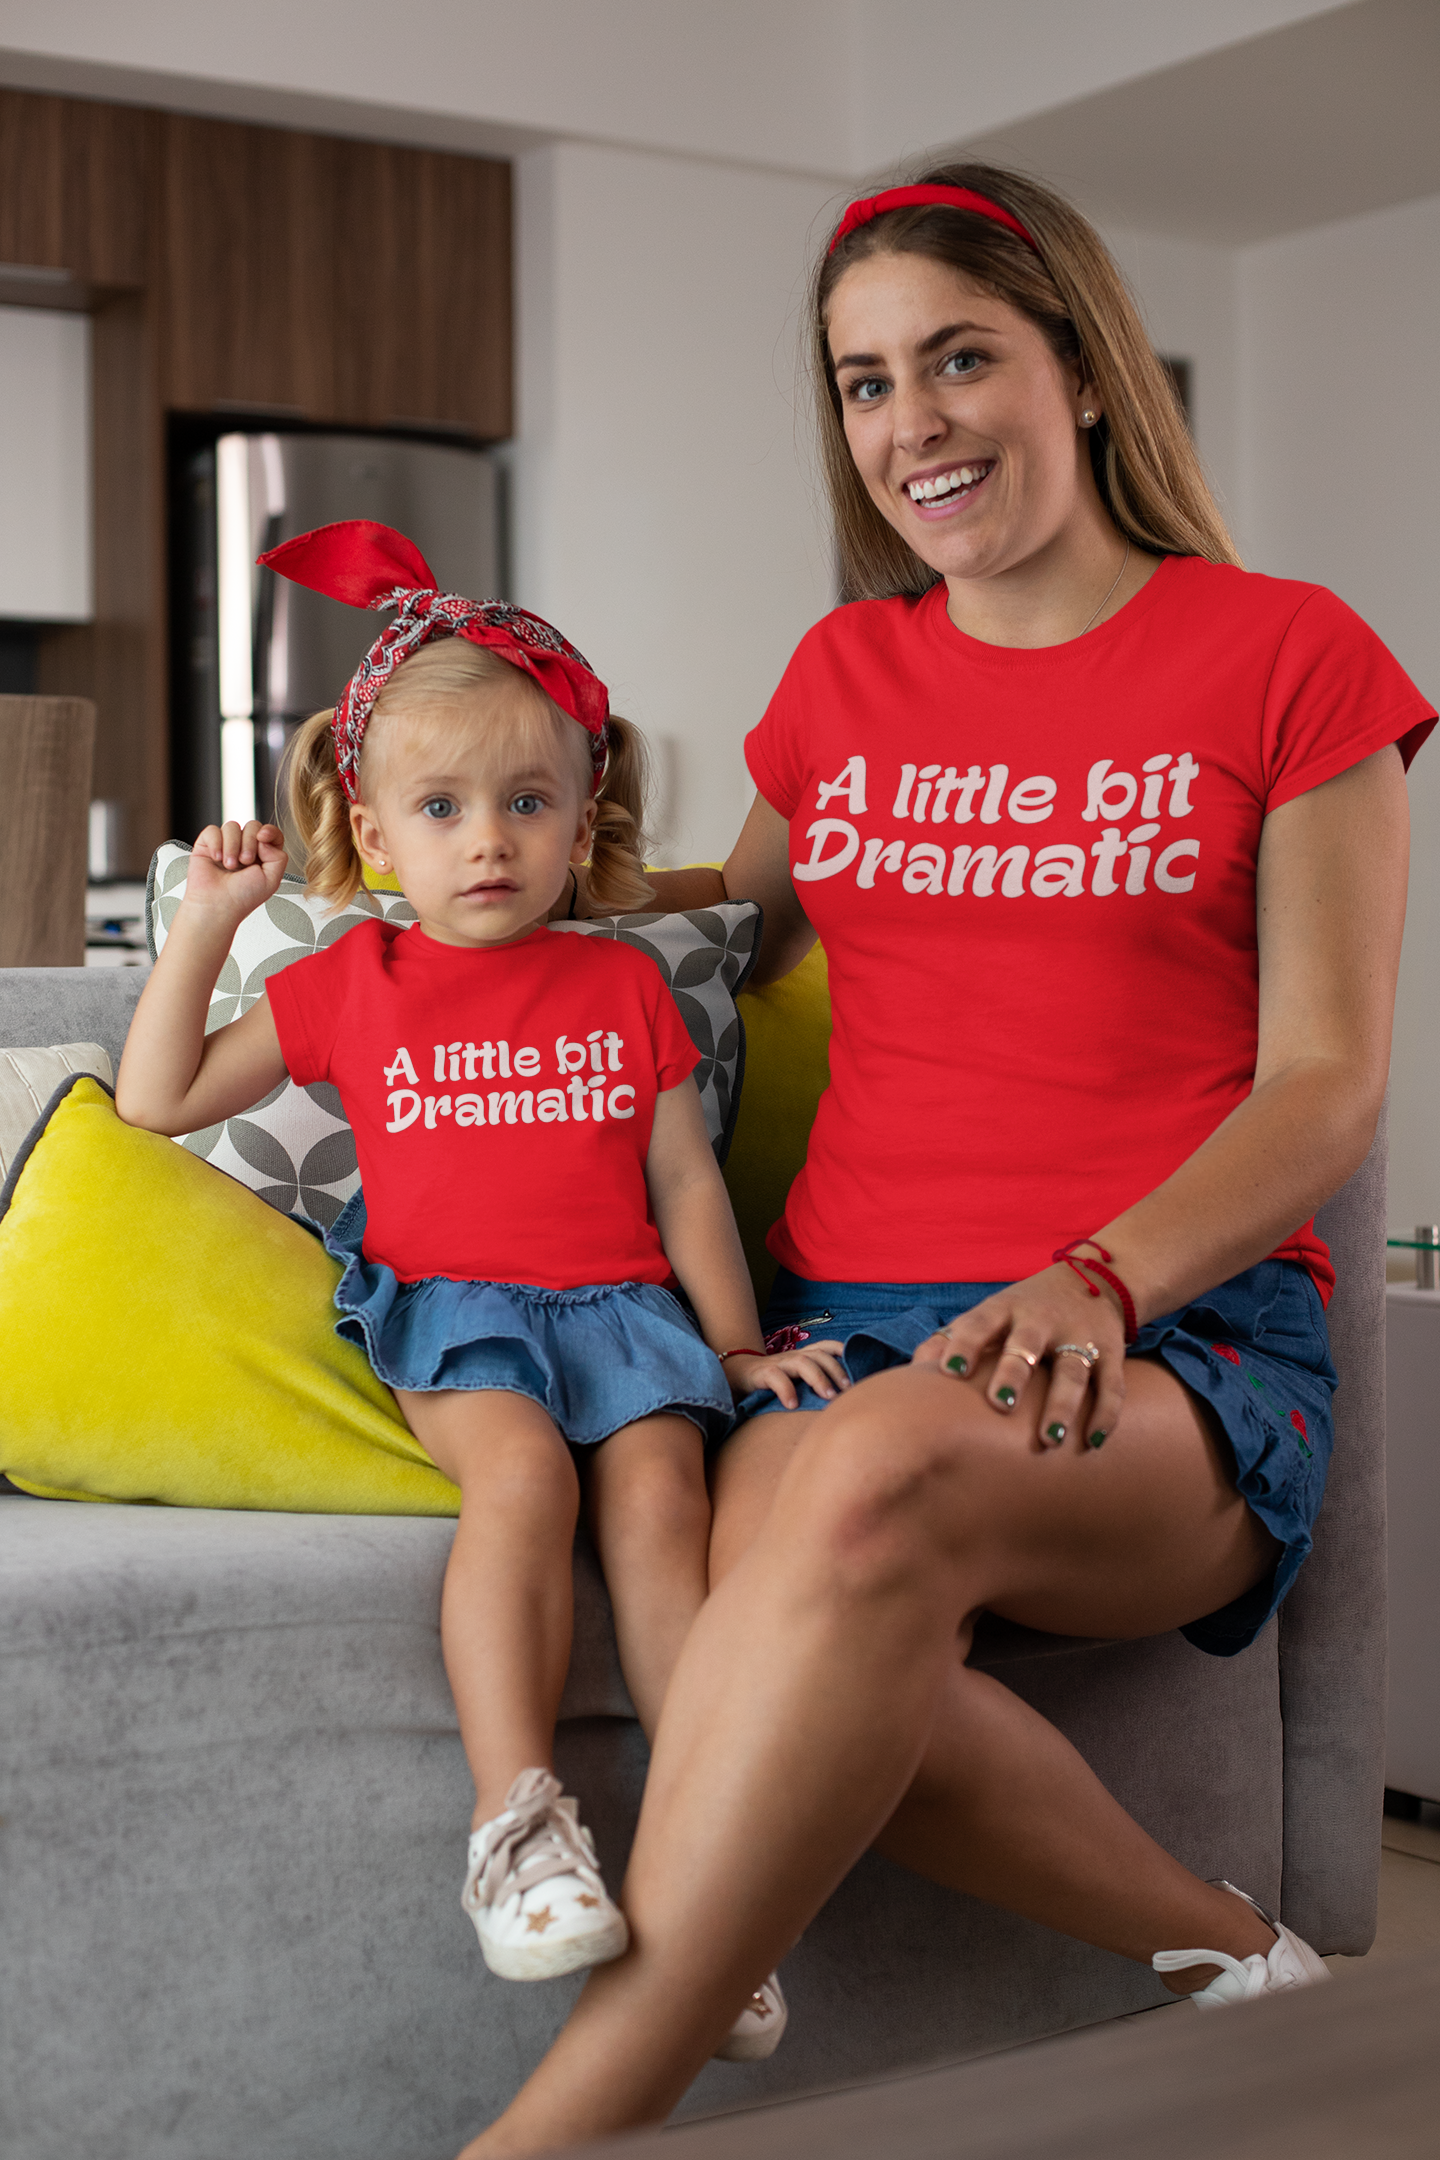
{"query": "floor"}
(1409, 1919)
(1409, 1891)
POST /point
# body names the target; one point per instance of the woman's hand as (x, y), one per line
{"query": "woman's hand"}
(818, 1365)
(236, 869)
(1049, 1318)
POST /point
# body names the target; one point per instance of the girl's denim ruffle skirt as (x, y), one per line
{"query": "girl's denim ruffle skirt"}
(595, 1358)
(1255, 1349)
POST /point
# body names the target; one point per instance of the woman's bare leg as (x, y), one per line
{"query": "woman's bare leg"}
(506, 1612)
(747, 1475)
(914, 1507)
(650, 1517)
(983, 1812)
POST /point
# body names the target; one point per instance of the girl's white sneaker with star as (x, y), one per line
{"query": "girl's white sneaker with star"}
(1291, 1963)
(533, 1888)
(756, 2032)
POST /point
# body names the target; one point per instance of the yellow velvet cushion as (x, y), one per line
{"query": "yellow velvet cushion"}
(787, 1068)
(166, 1336)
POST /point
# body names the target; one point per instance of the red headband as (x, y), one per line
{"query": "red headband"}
(372, 566)
(904, 198)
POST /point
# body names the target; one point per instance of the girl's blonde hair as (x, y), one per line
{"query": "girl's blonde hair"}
(1145, 464)
(437, 682)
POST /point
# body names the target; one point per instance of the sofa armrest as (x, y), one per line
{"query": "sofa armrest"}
(1332, 1625)
(40, 1006)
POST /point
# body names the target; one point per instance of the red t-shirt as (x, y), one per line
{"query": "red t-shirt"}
(501, 1098)
(1033, 873)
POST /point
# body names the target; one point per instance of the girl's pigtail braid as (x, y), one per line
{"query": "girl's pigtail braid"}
(617, 883)
(315, 814)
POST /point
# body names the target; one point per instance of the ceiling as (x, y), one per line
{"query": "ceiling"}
(1325, 120)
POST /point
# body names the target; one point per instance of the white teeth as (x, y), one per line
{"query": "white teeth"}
(944, 483)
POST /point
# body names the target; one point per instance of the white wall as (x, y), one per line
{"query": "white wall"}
(664, 516)
(1340, 328)
(45, 551)
(1189, 295)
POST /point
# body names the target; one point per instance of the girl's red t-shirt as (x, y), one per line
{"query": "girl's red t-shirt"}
(501, 1098)
(1033, 873)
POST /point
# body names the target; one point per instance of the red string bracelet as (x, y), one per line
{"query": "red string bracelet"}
(743, 1351)
(1106, 1274)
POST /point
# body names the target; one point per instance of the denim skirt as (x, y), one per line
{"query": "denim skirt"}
(1254, 1349)
(594, 1358)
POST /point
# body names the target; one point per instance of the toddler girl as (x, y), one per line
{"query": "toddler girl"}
(535, 1170)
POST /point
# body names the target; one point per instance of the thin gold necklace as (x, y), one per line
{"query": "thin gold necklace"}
(1111, 594)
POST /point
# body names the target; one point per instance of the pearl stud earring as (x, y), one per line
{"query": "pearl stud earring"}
(1087, 418)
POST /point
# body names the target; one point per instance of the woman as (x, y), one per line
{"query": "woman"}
(1106, 843)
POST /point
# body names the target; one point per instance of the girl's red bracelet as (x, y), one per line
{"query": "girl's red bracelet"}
(1067, 1253)
(743, 1351)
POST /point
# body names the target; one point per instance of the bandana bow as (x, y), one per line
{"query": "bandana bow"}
(372, 566)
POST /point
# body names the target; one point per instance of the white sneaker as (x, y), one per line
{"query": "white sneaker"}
(1291, 1963)
(533, 1887)
(756, 2032)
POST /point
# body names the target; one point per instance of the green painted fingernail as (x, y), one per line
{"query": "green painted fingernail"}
(1055, 1433)
(1005, 1395)
(957, 1364)
(1097, 1439)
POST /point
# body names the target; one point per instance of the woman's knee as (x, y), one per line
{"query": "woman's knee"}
(885, 1483)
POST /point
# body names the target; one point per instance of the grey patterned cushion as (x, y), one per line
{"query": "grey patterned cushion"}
(295, 1148)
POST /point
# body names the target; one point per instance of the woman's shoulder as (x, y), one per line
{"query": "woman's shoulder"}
(1298, 631)
(859, 634)
(1255, 597)
(863, 622)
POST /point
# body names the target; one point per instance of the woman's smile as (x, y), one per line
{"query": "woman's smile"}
(940, 494)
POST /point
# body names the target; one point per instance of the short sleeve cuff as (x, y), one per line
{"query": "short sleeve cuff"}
(762, 772)
(1399, 727)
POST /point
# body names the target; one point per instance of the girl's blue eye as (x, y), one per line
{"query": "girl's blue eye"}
(526, 805)
(439, 806)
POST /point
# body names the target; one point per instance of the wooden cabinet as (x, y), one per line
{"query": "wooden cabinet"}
(76, 181)
(356, 283)
(239, 269)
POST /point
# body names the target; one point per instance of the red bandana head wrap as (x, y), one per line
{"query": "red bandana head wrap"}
(904, 198)
(372, 566)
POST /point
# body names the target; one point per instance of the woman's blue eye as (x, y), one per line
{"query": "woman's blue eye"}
(960, 363)
(868, 389)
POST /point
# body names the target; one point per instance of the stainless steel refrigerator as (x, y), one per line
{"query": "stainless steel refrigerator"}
(254, 654)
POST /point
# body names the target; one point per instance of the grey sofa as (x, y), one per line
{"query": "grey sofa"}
(234, 1804)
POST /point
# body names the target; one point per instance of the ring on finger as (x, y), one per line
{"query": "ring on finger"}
(1027, 1357)
(1088, 1353)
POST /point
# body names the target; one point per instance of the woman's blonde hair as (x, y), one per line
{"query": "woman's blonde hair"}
(437, 683)
(1145, 464)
